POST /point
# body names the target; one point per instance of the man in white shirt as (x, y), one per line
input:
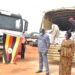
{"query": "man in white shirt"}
(53, 33)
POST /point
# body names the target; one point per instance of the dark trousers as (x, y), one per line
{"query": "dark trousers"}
(22, 51)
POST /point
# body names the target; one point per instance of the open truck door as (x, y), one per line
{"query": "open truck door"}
(25, 25)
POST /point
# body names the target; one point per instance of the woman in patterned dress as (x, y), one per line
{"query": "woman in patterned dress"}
(66, 55)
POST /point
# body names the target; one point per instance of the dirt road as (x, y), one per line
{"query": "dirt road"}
(29, 65)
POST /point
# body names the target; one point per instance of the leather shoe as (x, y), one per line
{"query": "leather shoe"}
(39, 71)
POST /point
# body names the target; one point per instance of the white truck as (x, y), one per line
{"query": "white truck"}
(59, 17)
(12, 27)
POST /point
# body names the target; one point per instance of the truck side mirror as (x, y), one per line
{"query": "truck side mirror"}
(25, 25)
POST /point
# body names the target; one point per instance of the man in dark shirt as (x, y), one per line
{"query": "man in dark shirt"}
(72, 21)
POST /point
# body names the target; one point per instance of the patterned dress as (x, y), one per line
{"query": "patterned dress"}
(66, 55)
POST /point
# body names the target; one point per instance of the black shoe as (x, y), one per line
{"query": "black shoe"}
(47, 73)
(39, 71)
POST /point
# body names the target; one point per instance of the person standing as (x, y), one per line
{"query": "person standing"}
(72, 21)
(23, 46)
(66, 55)
(54, 32)
(43, 45)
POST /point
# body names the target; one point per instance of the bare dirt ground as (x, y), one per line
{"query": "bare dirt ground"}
(29, 65)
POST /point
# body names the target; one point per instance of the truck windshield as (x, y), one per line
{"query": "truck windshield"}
(10, 23)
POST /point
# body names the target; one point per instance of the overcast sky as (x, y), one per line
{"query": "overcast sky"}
(33, 10)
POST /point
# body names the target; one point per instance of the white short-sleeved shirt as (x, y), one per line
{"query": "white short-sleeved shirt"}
(55, 27)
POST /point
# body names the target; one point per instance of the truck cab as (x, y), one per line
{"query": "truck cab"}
(12, 26)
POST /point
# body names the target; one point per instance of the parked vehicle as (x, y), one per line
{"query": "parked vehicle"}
(59, 17)
(12, 27)
(33, 40)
